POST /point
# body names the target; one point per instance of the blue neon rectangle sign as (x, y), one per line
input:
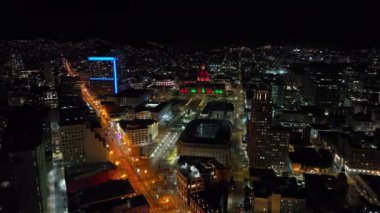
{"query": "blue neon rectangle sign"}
(101, 79)
(113, 59)
(95, 58)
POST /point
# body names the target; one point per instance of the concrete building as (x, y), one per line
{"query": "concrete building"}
(207, 138)
(152, 110)
(81, 139)
(219, 110)
(356, 152)
(277, 203)
(276, 194)
(363, 123)
(138, 132)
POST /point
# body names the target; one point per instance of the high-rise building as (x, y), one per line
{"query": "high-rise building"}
(258, 128)
(27, 166)
(267, 146)
(277, 93)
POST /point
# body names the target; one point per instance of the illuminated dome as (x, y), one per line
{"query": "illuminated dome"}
(203, 75)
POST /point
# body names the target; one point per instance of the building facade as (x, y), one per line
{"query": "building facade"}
(267, 146)
(81, 142)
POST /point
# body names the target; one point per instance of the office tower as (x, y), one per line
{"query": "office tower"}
(267, 146)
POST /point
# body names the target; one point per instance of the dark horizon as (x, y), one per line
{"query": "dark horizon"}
(316, 23)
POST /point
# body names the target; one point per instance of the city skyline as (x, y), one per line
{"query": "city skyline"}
(189, 107)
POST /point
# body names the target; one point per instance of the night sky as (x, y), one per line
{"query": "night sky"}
(274, 21)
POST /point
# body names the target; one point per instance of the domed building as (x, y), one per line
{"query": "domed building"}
(202, 85)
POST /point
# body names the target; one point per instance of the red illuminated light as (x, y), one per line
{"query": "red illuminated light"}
(204, 75)
(184, 90)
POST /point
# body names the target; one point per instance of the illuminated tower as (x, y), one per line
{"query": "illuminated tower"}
(267, 146)
(203, 75)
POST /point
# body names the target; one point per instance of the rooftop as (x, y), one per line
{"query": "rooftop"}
(218, 106)
(305, 156)
(104, 191)
(136, 124)
(195, 166)
(262, 173)
(130, 203)
(208, 132)
(82, 171)
(287, 187)
(356, 140)
(73, 116)
(322, 191)
(152, 106)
